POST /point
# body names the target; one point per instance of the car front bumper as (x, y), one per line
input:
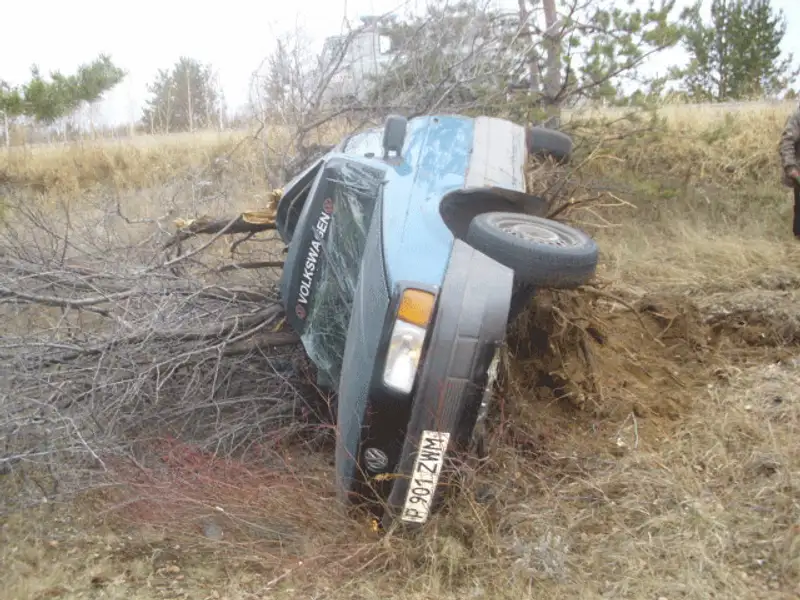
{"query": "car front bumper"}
(469, 325)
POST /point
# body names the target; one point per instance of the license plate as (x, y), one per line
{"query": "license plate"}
(425, 476)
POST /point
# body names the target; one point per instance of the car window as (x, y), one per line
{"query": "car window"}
(364, 143)
(353, 190)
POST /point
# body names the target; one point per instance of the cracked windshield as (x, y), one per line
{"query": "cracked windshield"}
(354, 189)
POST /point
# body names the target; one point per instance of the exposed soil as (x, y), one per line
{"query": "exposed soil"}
(595, 356)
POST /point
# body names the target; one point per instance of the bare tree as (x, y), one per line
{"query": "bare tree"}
(526, 32)
(289, 93)
(552, 43)
(465, 56)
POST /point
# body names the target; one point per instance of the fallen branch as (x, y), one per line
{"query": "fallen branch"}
(64, 302)
(231, 326)
(248, 223)
(263, 264)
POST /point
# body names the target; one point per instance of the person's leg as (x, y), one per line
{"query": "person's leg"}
(796, 224)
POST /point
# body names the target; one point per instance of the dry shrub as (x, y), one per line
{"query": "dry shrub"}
(265, 503)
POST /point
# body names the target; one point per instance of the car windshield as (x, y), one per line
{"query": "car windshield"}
(353, 188)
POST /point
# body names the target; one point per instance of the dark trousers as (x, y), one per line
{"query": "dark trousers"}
(796, 223)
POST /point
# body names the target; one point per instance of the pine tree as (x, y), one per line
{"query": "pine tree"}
(45, 100)
(737, 55)
(183, 98)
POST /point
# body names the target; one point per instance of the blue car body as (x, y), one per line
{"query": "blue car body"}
(362, 226)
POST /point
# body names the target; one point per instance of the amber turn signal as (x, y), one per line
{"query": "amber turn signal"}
(416, 307)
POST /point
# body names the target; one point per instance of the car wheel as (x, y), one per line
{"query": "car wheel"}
(541, 252)
(544, 142)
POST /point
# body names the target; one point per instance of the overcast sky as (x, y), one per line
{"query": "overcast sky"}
(234, 36)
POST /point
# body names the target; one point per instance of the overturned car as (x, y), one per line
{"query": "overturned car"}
(410, 247)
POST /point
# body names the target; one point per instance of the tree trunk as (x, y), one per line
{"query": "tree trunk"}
(221, 105)
(533, 58)
(168, 114)
(189, 101)
(552, 85)
(91, 122)
(6, 131)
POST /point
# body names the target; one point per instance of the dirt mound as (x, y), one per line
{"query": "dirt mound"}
(587, 351)
(589, 354)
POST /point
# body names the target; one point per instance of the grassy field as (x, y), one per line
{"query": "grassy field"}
(644, 445)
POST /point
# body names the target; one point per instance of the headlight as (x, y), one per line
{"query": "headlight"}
(408, 336)
(402, 359)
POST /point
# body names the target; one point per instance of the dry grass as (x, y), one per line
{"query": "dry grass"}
(699, 114)
(633, 455)
(145, 162)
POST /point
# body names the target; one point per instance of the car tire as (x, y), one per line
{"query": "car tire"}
(394, 134)
(543, 142)
(541, 252)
